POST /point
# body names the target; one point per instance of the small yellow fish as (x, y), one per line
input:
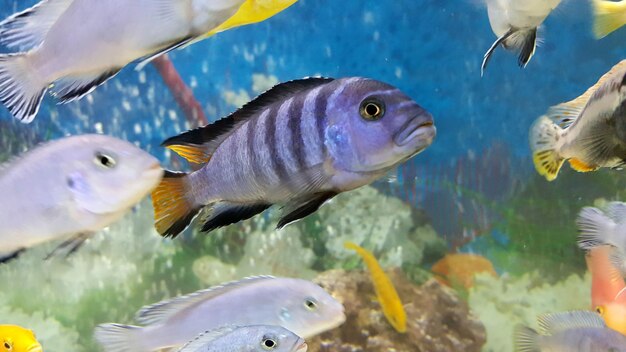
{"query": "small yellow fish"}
(609, 16)
(253, 11)
(16, 339)
(386, 293)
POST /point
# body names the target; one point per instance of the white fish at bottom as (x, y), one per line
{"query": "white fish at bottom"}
(76, 45)
(255, 338)
(70, 188)
(297, 305)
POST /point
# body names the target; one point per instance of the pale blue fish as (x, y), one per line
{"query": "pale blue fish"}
(70, 188)
(299, 144)
(579, 331)
(74, 46)
(297, 305)
(254, 338)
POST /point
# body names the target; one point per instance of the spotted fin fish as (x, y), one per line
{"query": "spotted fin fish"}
(299, 144)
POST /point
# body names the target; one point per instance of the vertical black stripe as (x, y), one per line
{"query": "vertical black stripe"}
(295, 128)
(277, 162)
(250, 142)
(321, 103)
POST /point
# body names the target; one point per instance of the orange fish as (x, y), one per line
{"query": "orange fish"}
(608, 289)
(459, 269)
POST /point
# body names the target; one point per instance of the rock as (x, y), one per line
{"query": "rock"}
(437, 319)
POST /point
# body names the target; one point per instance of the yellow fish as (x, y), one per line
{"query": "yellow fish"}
(253, 11)
(16, 339)
(386, 293)
(609, 16)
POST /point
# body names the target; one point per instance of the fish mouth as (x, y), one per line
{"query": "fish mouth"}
(301, 346)
(35, 348)
(153, 170)
(421, 125)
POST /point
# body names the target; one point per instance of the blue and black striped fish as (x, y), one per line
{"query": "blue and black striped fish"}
(298, 144)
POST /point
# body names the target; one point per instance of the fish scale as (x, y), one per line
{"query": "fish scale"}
(298, 144)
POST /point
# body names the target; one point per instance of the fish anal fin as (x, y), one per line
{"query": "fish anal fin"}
(528, 47)
(161, 311)
(224, 214)
(199, 144)
(581, 166)
(71, 88)
(9, 256)
(70, 246)
(146, 60)
(27, 29)
(303, 207)
(173, 211)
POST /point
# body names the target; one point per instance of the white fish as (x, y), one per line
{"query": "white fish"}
(255, 338)
(69, 188)
(76, 45)
(297, 305)
(589, 131)
(598, 228)
(515, 22)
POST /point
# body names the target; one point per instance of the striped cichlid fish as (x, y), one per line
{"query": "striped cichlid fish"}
(300, 144)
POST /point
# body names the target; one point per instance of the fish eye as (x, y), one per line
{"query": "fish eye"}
(8, 346)
(269, 344)
(372, 109)
(600, 310)
(310, 304)
(104, 160)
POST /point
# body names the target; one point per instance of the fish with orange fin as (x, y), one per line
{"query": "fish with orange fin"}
(459, 269)
(589, 131)
(385, 291)
(602, 234)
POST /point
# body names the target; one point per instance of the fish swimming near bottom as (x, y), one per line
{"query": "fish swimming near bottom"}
(14, 338)
(578, 331)
(609, 16)
(297, 305)
(299, 144)
(255, 338)
(589, 131)
(70, 188)
(386, 293)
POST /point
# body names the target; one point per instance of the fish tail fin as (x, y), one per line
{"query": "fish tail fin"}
(118, 338)
(608, 17)
(544, 135)
(173, 210)
(526, 339)
(524, 42)
(351, 246)
(594, 228)
(21, 89)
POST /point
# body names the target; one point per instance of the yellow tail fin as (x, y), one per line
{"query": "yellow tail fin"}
(173, 212)
(609, 16)
(544, 135)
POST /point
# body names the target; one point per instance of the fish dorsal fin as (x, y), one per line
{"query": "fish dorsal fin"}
(207, 337)
(550, 324)
(27, 29)
(199, 144)
(566, 113)
(161, 311)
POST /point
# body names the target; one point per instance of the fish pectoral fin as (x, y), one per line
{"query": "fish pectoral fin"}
(581, 166)
(526, 339)
(27, 29)
(224, 214)
(302, 207)
(8, 256)
(492, 49)
(70, 246)
(147, 59)
(72, 88)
